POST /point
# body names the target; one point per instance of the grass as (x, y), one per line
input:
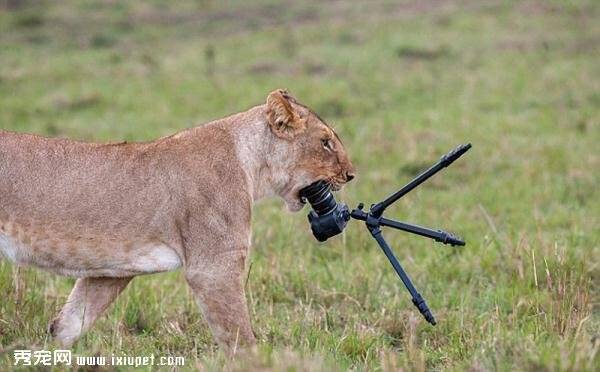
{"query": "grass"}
(402, 83)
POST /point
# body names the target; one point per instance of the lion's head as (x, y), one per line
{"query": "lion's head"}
(308, 150)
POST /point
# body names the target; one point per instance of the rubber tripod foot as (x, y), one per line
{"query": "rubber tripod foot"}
(424, 310)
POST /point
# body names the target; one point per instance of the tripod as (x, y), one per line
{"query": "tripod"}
(374, 221)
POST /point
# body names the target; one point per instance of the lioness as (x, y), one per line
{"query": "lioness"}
(105, 213)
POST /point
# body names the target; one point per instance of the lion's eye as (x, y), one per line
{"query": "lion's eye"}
(327, 144)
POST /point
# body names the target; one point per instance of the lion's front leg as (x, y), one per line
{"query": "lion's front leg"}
(218, 285)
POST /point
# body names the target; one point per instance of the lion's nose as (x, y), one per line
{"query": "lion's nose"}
(349, 176)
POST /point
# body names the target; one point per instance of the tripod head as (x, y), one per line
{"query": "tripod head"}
(329, 218)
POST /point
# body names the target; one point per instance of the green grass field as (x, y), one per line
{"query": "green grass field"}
(402, 82)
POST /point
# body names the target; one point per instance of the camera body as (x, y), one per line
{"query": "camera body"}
(325, 226)
(328, 217)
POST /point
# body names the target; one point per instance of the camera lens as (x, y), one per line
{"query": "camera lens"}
(320, 197)
(327, 218)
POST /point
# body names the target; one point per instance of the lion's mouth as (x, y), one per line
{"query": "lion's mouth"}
(335, 187)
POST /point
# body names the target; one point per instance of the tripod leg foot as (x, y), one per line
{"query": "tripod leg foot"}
(423, 309)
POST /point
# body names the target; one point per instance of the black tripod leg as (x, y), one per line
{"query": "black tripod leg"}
(417, 299)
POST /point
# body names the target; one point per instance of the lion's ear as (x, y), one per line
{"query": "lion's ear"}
(283, 118)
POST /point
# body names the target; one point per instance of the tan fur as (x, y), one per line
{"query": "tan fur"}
(107, 212)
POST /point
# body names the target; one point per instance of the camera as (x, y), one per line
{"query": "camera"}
(327, 217)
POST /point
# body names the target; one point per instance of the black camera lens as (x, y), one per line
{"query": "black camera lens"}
(328, 217)
(320, 197)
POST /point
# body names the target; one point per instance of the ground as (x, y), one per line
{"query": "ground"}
(402, 82)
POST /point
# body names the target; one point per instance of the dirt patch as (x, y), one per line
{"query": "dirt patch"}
(77, 103)
(416, 53)
(537, 7)
(299, 68)
(264, 68)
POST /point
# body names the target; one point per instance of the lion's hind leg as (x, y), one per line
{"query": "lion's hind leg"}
(88, 299)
